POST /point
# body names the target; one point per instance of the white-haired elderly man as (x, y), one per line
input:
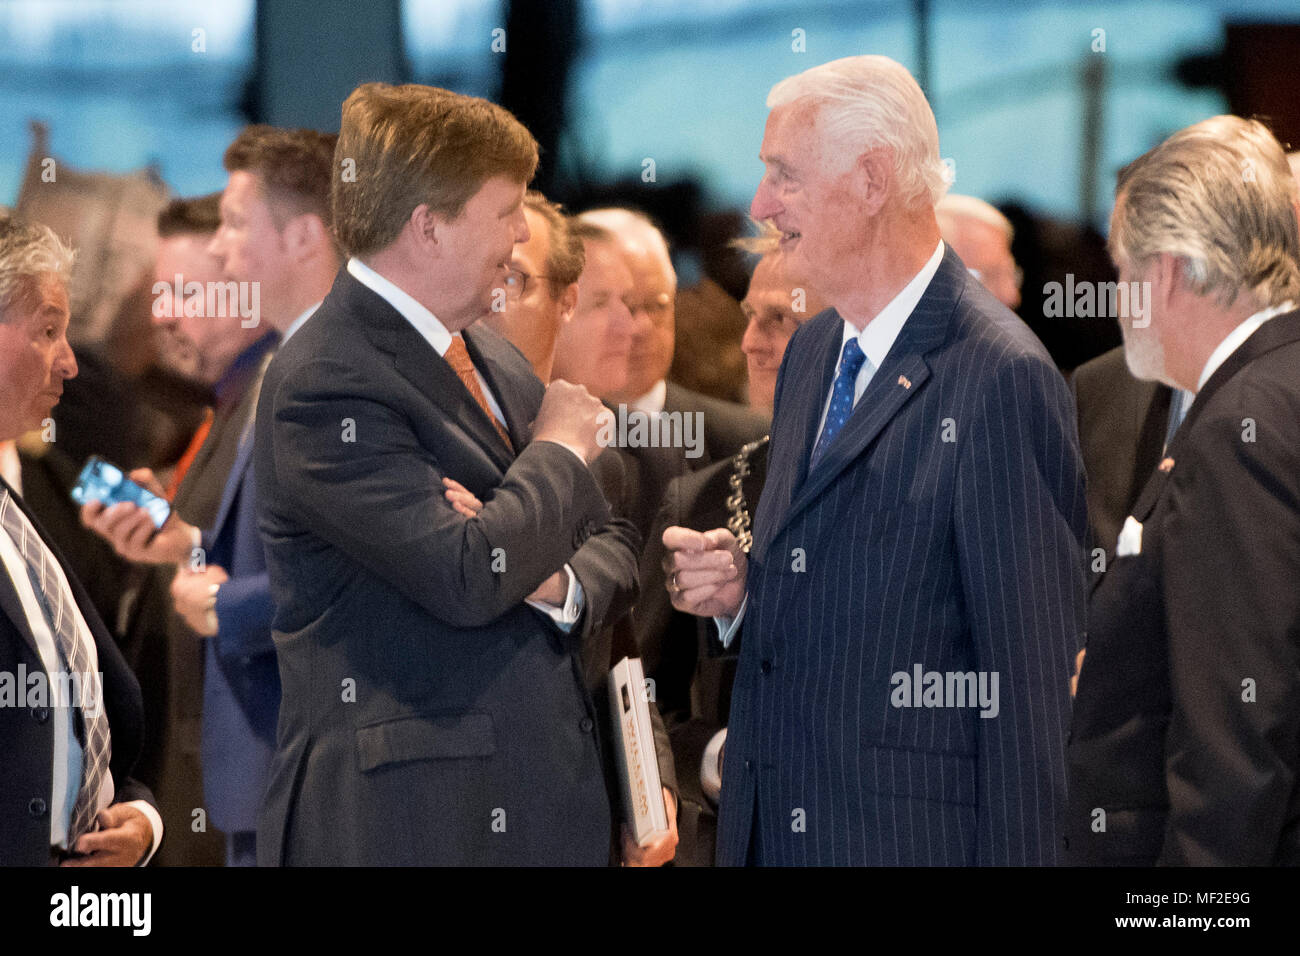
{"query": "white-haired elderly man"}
(981, 236)
(1185, 747)
(914, 595)
(71, 716)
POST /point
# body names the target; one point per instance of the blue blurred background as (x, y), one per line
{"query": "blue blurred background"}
(657, 104)
(121, 84)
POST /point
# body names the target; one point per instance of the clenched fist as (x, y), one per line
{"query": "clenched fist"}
(570, 415)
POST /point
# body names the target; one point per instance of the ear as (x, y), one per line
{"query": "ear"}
(568, 302)
(874, 174)
(304, 234)
(427, 229)
(1169, 277)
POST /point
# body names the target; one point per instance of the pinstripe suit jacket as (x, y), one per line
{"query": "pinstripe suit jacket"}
(944, 528)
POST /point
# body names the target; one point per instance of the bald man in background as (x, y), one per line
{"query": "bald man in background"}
(981, 236)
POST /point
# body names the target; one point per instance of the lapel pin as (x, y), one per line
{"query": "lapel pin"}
(904, 381)
(1167, 465)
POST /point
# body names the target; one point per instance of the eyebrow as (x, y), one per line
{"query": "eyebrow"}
(776, 161)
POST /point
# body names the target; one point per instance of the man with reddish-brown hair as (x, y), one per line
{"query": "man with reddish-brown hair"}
(434, 710)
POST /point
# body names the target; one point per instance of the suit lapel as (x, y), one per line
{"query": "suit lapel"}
(483, 349)
(792, 433)
(243, 452)
(417, 362)
(899, 379)
(12, 605)
(1279, 331)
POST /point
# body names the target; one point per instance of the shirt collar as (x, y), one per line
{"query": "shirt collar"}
(237, 377)
(878, 337)
(1237, 337)
(425, 322)
(654, 400)
(298, 322)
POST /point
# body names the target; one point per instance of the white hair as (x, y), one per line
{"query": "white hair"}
(1218, 195)
(954, 207)
(866, 102)
(28, 250)
(636, 232)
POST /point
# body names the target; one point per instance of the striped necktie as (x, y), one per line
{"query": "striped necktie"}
(61, 614)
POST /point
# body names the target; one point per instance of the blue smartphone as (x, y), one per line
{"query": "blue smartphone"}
(102, 481)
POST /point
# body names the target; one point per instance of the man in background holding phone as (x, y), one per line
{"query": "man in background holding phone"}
(66, 762)
(274, 246)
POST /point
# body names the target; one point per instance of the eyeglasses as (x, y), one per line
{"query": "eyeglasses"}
(516, 284)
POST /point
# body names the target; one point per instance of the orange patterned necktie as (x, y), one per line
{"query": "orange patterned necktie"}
(458, 358)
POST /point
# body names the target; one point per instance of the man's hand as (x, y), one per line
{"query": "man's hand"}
(704, 571)
(461, 498)
(123, 838)
(659, 852)
(194, 595)
(132, 533)
(570, 415)
(554, 590)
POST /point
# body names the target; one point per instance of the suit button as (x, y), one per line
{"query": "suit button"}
(749, 765)
(40, 714)
(765, 667)
(585, 725)
(1066, 840)
(37, 807)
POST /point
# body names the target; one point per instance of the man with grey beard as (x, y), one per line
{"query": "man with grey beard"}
(1186, 725)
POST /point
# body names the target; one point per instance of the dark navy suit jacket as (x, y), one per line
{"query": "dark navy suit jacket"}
(944, 527)
(241, 678)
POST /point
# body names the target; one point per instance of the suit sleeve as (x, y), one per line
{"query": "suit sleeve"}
(357, 473)
(1230, 560)
(1020, 526)
(244, 612)
(606, 564)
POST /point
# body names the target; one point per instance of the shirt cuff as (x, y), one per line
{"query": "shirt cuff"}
(574, 601)
(728, 626)
(155, 821)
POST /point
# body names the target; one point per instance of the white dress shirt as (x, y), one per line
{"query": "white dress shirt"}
(438, 336)
(68, 754)
(875, 340)
(653, 401)
(298, 322)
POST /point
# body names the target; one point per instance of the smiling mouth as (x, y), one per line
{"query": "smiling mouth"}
(788, 237)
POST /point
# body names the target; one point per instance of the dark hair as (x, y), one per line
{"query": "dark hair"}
(196, 214)
(565, 256)
(294, 165)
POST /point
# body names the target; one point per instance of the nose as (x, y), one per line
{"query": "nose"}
(215, 246)
(67, 362)
(624, 321)
(522, 232)
(164, 310)
(642, 325)
(765, 204)
(752, 342)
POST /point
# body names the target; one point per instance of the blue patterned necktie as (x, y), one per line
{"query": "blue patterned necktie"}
(837, 415)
